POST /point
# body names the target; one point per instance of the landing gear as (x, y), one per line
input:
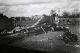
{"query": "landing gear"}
(69, 37)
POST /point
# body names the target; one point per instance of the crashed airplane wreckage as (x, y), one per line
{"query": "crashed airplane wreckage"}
(46, 24)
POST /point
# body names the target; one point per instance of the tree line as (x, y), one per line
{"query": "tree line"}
(6, 24)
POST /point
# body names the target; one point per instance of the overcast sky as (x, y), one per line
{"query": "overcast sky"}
(34, 7)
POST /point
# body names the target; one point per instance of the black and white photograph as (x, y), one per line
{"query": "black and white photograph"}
(39, 26)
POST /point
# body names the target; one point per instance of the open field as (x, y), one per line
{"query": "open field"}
(49, 42)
